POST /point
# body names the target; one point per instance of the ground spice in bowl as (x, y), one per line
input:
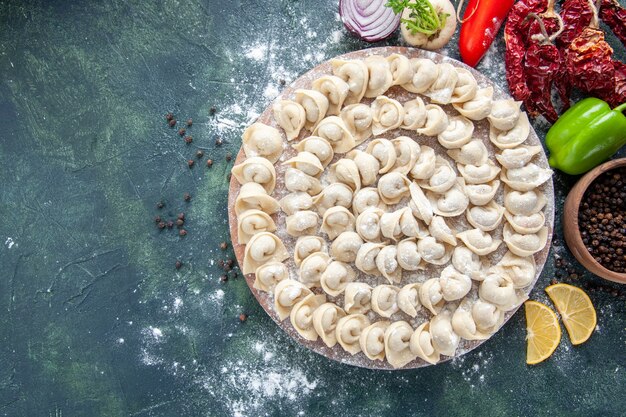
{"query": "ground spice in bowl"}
(602, 219)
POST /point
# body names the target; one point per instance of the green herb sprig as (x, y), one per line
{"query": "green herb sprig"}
(424, 18)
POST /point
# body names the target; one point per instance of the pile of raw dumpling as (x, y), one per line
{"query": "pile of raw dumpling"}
(389, 230)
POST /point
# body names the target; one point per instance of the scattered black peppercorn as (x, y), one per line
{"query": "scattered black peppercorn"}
(199, 154)
(230, 263)
(190, 163)
(220, 263)
(180, 222)
(181, 216)
(223, 246)
(178, 264)
(212, 110)
(182, 232)
(209, 163)
(188, 139)
(224, 278)
(189, 122)
(170, 224)
(229, 156)
(282, 82)
(172, 122)
(157, 219)
(243, 317)
(218, 142)
(169, 116)
(187, 197)
(182, 131)
(161, 225)
(160, 205)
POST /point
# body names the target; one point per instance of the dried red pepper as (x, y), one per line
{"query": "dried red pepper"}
(614, 15)
(577, 15)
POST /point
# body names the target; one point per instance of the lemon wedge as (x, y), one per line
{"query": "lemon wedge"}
(543, 332)
(576, 310)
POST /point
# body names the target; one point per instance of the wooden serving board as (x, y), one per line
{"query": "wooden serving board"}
(481, 131)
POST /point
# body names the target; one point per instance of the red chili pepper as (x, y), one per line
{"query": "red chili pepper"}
(577, 15)
(481, 22)
(614, 15)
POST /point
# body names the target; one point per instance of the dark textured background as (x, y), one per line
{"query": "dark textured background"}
(95, 319)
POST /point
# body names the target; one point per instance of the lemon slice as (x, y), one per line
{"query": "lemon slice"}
(543, 332)
(576, 310)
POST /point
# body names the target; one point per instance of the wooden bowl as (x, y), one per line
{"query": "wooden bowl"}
(570, 223)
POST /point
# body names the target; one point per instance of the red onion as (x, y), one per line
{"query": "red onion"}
(370, 20)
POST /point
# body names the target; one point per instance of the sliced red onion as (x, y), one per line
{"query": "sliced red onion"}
(370, 20)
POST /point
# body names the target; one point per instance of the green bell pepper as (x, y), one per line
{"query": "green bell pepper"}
(586, 135)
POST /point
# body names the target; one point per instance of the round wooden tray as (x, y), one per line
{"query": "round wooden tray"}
(481, 131)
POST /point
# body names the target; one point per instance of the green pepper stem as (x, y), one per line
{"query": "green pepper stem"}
(620, 108)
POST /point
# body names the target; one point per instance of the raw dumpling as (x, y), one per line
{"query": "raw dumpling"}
(524, 203)
(307, 245)
(368, 224)
(431, 296)
(380, 77)
(517, 157)
(433, 252)
(335, 131)
(337, 220)
(393, 187)
(424, 75)
(409, 299)
(525, 178)
(335, 278)
(465, 87)
(349, 330)
(505, 114)
(358, 118)
(387, 264)
(397, 341)
(479, 242)
(445, 340)
(315, 106)
(407, 152)
(390, 224)
(526, 224)
(367, 164)
(270, 274)
(256, 169)
(464, 325)
(474, 153)
(287, 293)
(384, 300)
(251, 222)
(458, 132)
(409, 225)
(301, 315)
(366, 257)
(422, 344)
(481, 174)
(511, 138)
(294, 202)
(488, 317)
(336, 194)
(325, 319)
(347, 172)
(334, 89)
(499, 290)
(424, 167)
(302, 223)
(384, 151)
(372, 340)
(468, 263)
(479, 107)
(400, 67)
(414, 114)
(387, 114)
(454, 285)
(298, 181)
(318, 147)
(441, 231)
(290, 116)
(357, 298)
(262, 248)
(366, 198)
(312, 268)
(436, 121)
(356, 74)
(441, 90)
(442, 179)
(345, 247)
(521, 271)
(487, 217)
(481, 194)
(307, 163)
(262, 140)
(525, 245)
(452, 203)
(408, 256)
